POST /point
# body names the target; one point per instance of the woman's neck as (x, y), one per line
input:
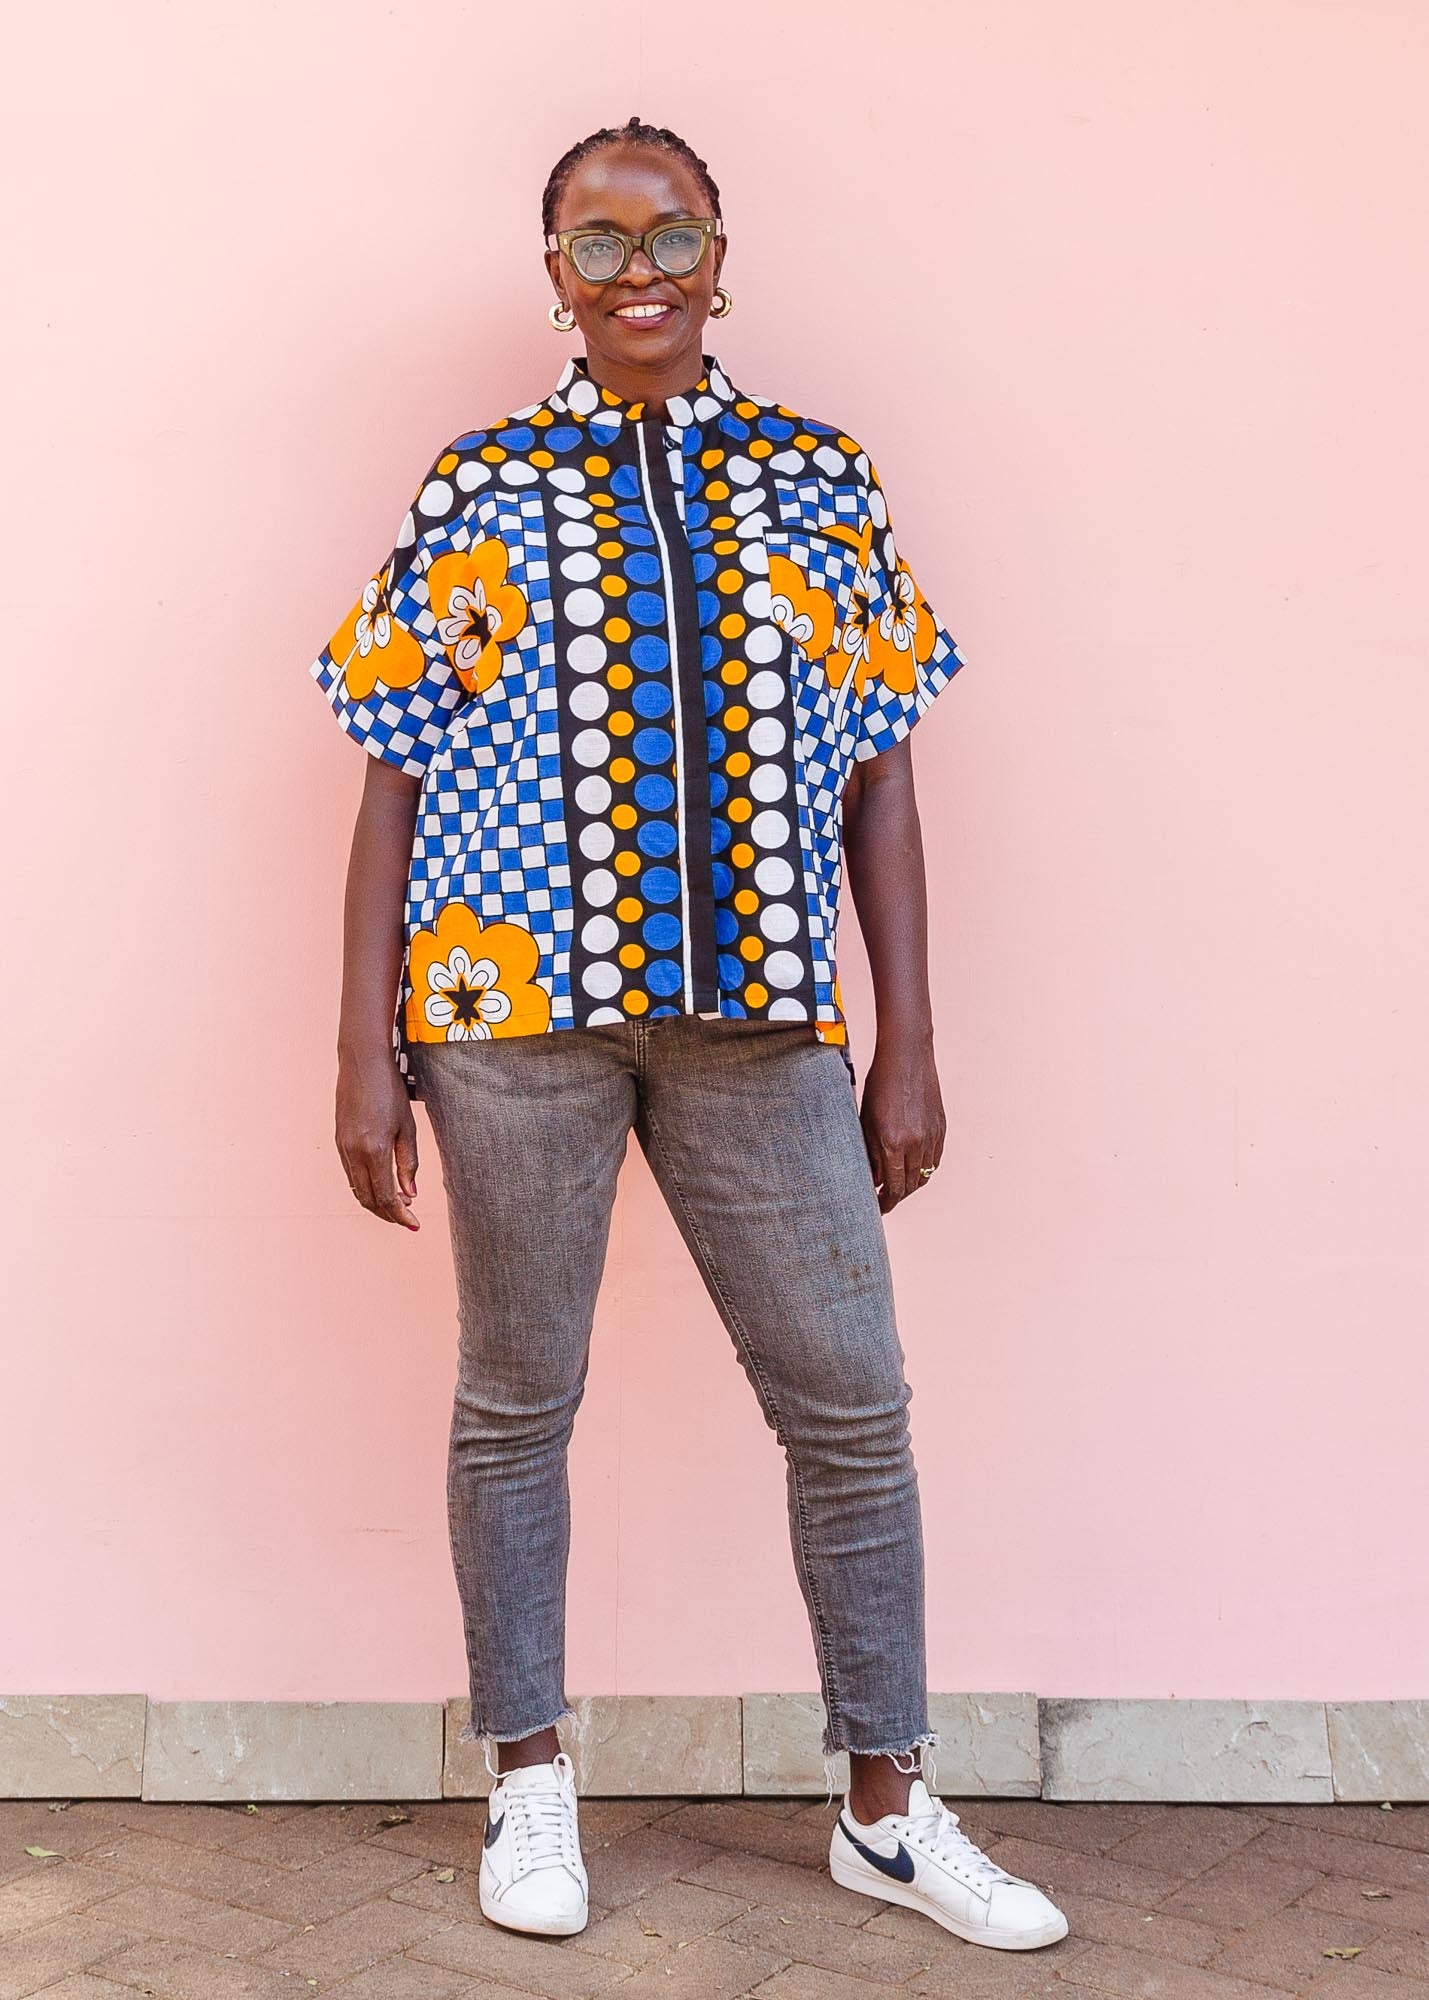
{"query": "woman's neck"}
(650, 386)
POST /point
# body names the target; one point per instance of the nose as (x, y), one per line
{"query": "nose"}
(640, 270)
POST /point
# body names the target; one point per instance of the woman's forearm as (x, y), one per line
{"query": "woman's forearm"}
(883, 852)
(373, 939)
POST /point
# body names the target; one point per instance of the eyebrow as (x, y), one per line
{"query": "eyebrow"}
(665, 215)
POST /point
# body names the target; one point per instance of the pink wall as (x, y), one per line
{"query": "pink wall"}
(1130, 304)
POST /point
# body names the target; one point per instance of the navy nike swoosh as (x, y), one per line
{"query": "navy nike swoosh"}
(899, 1865)
(493, 1827)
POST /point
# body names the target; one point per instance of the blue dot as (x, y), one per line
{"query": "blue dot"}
(719, 835)
(730, 970)
(697, 515)
(604, 429)
(654, 794)
(521, 439)
(625, 481)
(646, 608)
(660, 885)
(651, 698)
(714, 697)
(636, 537)
(657, 838)
(642, 569)
(649, 653)
(776, 427)
(733, 1008)
(662, 975)
(719, 788)
(694, 480)
(708, 606)
(726, 927)
(661, 931)
(711, 652)
(705, 567)
(562, 437)
(722, 876)
(716, 741)
(653, 746)
(733, 426)
(656, 1012)
(471, 438)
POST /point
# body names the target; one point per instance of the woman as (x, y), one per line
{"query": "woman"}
(643, 657)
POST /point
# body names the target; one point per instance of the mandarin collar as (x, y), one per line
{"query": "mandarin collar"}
(577, 395)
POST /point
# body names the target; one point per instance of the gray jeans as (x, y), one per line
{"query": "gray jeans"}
(751, 1130)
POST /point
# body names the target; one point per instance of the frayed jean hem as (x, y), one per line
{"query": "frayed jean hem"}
(924, 1767)
(471, 1733)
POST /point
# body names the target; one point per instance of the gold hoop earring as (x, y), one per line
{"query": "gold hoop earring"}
(721, 312)
(561, 317)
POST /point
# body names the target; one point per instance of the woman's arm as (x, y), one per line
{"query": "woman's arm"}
(376, 1131)
(902, 1107)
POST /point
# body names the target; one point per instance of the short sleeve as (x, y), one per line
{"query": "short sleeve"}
(911, 654)
(387, 676)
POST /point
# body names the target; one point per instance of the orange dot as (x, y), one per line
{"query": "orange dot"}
(635, 1001)
(620, 723)
(493, 452)
(736, 763)
(751, 947)
(731, 626)
(739, 809)
(604, 520)
(542, 458)
(747, 409)
(804, 442)
(734, 671)
(610, 551)
(716, 490)
(619, 675)
(632, 954)
(630, 909)
(726, 548)
(746, 902)
(756, 995)
(609, 396)
(722, 523)
(730, 580)
(614, 586)
(448, 462)
(544, 417)
(623, 816)
(622, 770)
(617, 630)
(760, 448)
(708, 458)
(742, 854)
(597, 467)
(627, 863)
(848, 444)
(736, 718)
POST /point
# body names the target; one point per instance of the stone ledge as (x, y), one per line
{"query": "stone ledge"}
(994, 1746)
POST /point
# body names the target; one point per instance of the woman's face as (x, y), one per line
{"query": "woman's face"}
(633, 188)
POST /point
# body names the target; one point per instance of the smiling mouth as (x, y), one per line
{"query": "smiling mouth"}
(642, 313)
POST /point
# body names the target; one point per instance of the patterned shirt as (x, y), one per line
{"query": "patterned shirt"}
(632, 661)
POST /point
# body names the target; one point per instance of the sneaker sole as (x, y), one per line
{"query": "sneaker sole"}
(850, 1875)
(553, 1927)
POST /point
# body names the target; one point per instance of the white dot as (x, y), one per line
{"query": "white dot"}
(707, 408)
(757, 599)
(584, 397)
(593, 796)
(755, 559)
(742, 502)
(601, 934)
(770, 829)
(778, 923)
(471, 473)
(591, 747)
(787, 461)
(436, 497)
(774, 875)
(586, 652)
(678, 411)
(787, 1009)
(601, 979)
(829, 460)
(516, 472)
(783, 968)
(718, 382)
(768, 782)
(877, 507)
(585, 607)
(763, 643)
(766, 736)
(600, 887)
(597, 840)
(764, 690)
(575, 534)
(743, 471)
(407, 533)
(581, 567)
(589, 701)
(566, 479)
(598, 1016)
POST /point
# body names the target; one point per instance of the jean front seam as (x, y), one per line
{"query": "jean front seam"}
(830, 1676)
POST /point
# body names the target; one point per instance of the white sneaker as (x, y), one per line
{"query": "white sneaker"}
(533, 1877)
(923, 1859)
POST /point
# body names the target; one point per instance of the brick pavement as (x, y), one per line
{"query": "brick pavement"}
(702, 1900)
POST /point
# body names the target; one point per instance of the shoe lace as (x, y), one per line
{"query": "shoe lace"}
(939, 1831)
(543, 1827)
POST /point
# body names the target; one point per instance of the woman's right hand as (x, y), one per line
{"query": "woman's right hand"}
(377, 1137)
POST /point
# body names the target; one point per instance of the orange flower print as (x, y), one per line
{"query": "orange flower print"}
(903, 635)
(801, 608)
(473, 981)
(371, 646)
(475, 609)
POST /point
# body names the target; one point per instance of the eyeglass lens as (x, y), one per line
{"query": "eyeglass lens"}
(675, 251)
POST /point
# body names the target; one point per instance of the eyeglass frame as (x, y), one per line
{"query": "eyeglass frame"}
(708, 226)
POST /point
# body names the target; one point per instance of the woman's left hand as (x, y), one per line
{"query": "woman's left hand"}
(903, 1121)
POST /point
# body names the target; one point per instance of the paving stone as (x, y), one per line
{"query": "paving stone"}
(625, 1869)
(1197, 1751)
(815, 1941)
(709, 1969)
(1379, 1749)
(547, 1966)
(1240, 1891)
(1103, 1922)
(963, 1971)
(1406, 1826)
(783, 1886)
(653, 1925)
(750, 1829)
(335, 1883)
(182, 1972)
(1330, 1854)
(1111, 1968)
(293, 1750)
(1362, 1982)
(1057, 1868)
(1288, 1950)
(216, 1826)
(809, 1982)
(154, 1910)
(84, 1986)
(1088, 1828)
(301, 1837)
(51, 1889)
(33, 1823)
(1359, 1822)
(408, 1979)
(1185, 1840)
(1400, 1910)
(459, 1899)
(202, 1871)
(1399, 1951)
(36, 1958)
(60, 1746)
(351, 1942)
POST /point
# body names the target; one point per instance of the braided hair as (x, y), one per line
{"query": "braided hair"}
(632, 131)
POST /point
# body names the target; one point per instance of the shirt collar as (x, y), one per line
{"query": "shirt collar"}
(578, 396)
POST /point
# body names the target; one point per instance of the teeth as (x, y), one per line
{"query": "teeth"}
(640, 312)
